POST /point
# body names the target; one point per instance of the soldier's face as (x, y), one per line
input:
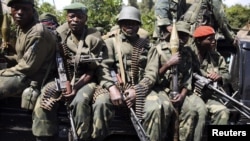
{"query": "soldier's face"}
(129, 27)
(76, 20)
(209, 42)
(22, 14)
(183, 38)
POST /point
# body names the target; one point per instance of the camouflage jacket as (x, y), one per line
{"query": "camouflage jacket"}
(213, 61)
(35, 51)
(111, 62)
(92, 46)
(166, 10)
(156, 59)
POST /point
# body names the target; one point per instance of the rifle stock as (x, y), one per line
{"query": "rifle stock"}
(203, 82)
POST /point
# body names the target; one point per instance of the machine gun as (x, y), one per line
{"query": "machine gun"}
(203, 82)
(133, 117)
(63, 85)
(137, 125)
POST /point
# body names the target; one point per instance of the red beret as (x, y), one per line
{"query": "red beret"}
(203, 31)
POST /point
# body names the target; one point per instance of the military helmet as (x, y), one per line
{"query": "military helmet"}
(129, 13)
(10, 2)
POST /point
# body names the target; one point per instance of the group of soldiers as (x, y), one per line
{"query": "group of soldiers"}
(95, 73)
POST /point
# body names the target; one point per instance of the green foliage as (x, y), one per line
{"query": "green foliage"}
(148, 20)
(47, 7)
(238, 15)
(102, 13)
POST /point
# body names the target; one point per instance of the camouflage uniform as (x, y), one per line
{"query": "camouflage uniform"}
(33, 57)
(157, 107)
(188, 114)
(213, 61)
(166, 11)
(103, 108)
(45, 122)
(208, 12)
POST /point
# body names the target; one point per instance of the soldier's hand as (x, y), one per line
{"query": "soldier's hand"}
(70, 95)
(169, 28)
(130, 97)
(175, 59)
(214, 76)
(178, 99)
(115, 95)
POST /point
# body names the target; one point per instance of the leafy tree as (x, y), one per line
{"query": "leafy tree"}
(238, 15)
(102, 13)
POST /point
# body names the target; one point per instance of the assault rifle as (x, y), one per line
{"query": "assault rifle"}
(203, 82)
(63, 85)
(137, 125)
(87, 58)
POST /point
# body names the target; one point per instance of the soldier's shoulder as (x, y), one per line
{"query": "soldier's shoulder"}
(143, 33)
(93, 33)
(38, 30)
(63, 29)
(110, 34)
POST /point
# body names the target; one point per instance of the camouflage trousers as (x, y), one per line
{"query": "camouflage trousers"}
(12, 85)
(45, 122)
(218, 113)
(157, 116)
(200, 107)
(187, 120)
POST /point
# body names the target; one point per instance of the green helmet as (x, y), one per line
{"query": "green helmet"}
(130, 13)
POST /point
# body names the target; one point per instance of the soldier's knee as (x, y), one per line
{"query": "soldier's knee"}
(101, 101)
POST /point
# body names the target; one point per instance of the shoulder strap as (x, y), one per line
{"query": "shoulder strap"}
(78, 56)
(122, 70)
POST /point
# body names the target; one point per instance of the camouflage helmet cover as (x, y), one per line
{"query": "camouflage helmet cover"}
(10, 2)
(130, 13)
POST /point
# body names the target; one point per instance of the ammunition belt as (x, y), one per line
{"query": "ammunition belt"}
(50, 96)
(140, 97)
(66, 53)
(141, 90)
(98, 92)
